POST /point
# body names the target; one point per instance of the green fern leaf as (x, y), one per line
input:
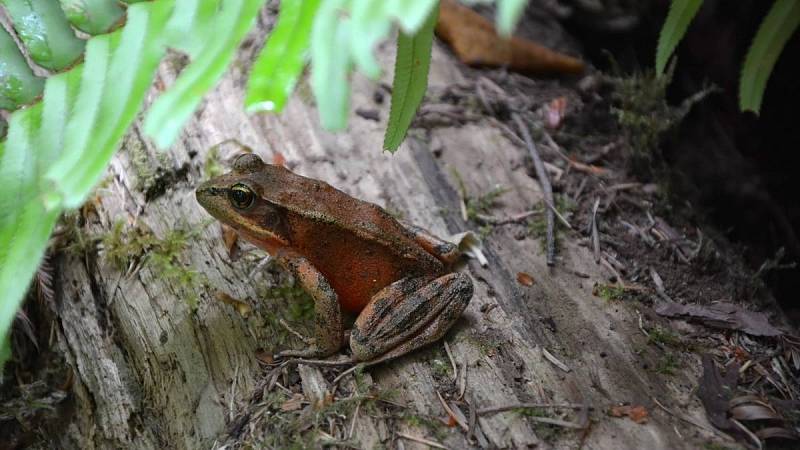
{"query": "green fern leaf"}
(280, 62)
(781, 22)
(92, 16)
(330, 54)
(681, 13)
(45, 32)
(168, 114)
(18, 85)
(508, 14)
(410, 80)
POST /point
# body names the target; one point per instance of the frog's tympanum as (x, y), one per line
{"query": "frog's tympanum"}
(350, 255)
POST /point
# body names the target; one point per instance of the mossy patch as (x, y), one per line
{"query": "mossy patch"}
(125, 247)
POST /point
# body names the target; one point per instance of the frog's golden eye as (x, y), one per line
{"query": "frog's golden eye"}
(241, 196)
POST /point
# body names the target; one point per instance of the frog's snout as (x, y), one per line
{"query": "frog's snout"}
(207, 194)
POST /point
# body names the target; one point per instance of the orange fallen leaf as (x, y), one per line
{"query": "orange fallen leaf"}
(637, 413)
(476, 42)
(241, 307)
(525, 279)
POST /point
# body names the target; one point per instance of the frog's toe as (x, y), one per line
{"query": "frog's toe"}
(392, 326)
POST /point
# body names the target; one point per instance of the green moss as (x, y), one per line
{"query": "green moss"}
(537, 226)
(146, 172)
(663, 336)
(124, 247)
(609, 292)
(667, 365)
(212, 167)
(483, 203)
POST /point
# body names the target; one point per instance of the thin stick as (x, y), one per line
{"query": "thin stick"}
(492, 220)
(421, 440)
(499, 409)
(353, 424)
(547, 189)
(452, 414)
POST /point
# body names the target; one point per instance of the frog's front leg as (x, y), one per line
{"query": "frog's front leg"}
(409, 314)
(328, 331)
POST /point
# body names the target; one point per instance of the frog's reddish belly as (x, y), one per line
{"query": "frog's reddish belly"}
(356, 268)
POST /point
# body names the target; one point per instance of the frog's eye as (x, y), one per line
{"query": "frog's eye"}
(241, 196)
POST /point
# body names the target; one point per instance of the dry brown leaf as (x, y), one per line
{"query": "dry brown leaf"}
(636, 413)
(293, 404)
(475, 42)
(264, 356)
(241, 307)
(525, 279)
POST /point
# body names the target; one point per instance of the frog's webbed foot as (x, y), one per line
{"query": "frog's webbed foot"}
(407, 315)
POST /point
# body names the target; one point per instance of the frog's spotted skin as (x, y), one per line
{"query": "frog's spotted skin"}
(348, 254)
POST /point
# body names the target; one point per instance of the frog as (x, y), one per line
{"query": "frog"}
(350, 255)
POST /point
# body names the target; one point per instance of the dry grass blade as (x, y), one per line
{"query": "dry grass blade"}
(420, 440)
(595, 232)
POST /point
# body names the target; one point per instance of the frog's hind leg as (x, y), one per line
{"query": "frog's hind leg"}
(447, 252)
(407, 315)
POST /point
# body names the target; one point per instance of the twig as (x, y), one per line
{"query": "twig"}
(452, 414)
(499, 409)
(463, 382)
(353, 424)
(659, 283)
(558, 215)
(473, 420)
(547, 189)
(516, 218)
(421, 440)
(548, 356)
(595, 233)
(302, 338)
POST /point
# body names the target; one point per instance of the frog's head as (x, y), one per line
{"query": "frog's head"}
(240, 199)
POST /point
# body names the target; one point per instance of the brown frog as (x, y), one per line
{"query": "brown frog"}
(350, 255)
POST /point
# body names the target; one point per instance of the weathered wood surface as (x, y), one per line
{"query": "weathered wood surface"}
(152, 373)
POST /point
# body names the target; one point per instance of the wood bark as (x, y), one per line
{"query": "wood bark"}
(153, 371)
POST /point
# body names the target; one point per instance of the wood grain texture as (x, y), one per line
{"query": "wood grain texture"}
(153, 372)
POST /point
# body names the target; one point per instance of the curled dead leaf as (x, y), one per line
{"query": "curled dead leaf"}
(241, 307)
(525, 279)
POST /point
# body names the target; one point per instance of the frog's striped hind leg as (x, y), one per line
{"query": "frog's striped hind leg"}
(407, 315)
(447, 252)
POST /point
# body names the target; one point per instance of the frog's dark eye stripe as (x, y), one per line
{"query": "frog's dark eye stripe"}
(241, 196)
